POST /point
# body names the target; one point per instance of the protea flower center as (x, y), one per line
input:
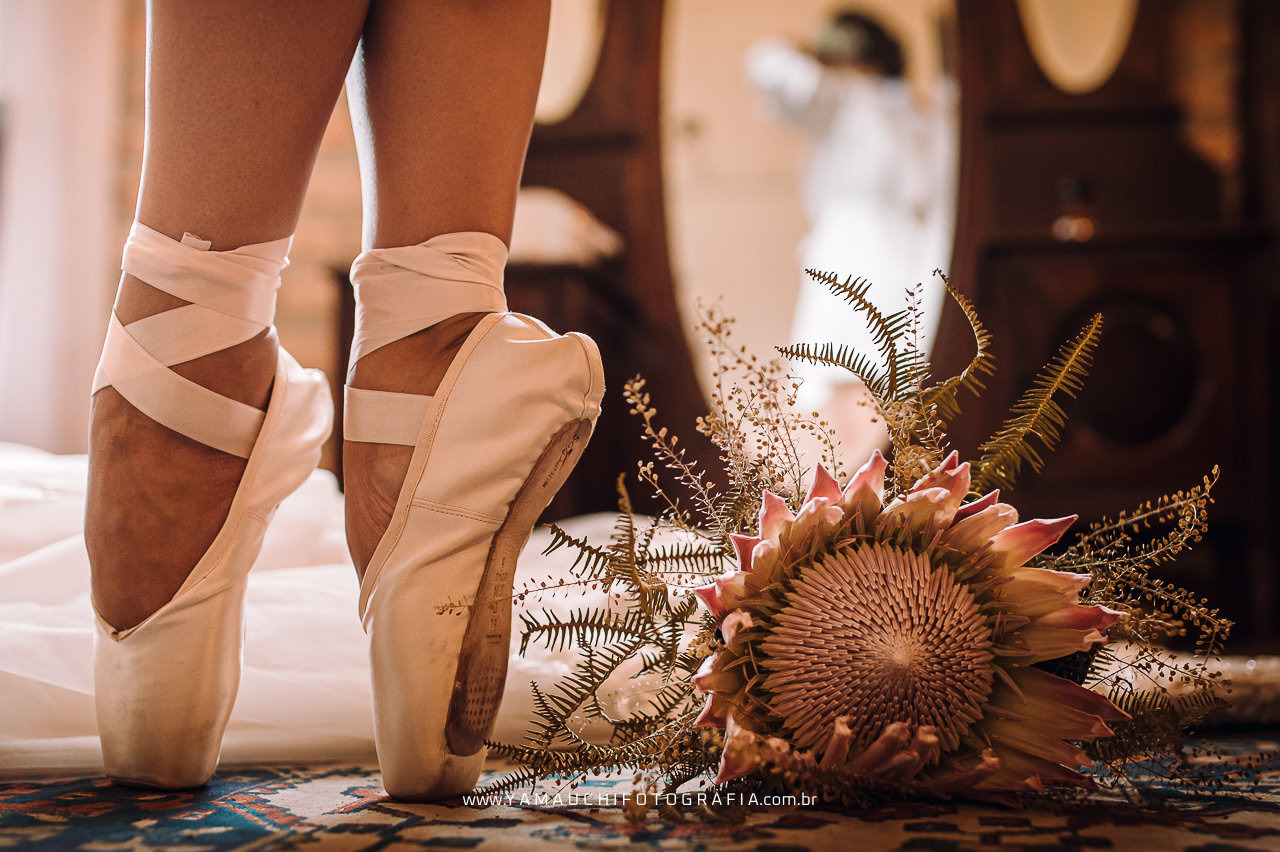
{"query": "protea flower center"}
(900, 640)
(878, 634)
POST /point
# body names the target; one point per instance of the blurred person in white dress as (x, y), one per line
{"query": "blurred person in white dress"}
(878, 191)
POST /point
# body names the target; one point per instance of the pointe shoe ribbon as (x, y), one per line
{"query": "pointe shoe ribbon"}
(492, 446)
(165, 687)
(400, 291)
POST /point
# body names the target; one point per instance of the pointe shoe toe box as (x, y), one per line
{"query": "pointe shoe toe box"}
(164, 688)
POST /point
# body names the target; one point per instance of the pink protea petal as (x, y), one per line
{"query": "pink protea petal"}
(916, 755)
(1017, 544)
(863, 493)
(1040, 689)
(1067, 718)
(741, 755)
(1049, 643)
(1037, 591)
(824, 485)
(930, 479)
(777, 751)
(957, 482)
(973, 508)
(838, 746)
(1033, 740)
(743, 545)
(710, 597)
(967, 779)
(1065, 630)
(954, 478)
(711, 678)
(1080, 618)
(731, 587)
(701, 678)
(973, 532)
(1019, 770)
(774, 516)
(764, 559)
(733, 623)
(878, 756)
(817, 514)
(713, 713)
(930, 506)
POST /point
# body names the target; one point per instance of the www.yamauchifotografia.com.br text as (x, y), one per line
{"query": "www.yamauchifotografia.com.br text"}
(616, 800)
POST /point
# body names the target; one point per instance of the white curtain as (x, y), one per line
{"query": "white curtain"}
(60, 64)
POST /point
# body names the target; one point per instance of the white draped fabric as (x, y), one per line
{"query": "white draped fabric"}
(879, 191)
(304, 694)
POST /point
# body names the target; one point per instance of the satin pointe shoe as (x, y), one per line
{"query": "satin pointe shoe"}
(165, 687)
(492, 446)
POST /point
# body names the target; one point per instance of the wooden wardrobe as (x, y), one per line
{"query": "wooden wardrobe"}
(1072, 204)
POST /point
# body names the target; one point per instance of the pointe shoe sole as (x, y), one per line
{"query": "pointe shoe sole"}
(437, 679)
(482, 668)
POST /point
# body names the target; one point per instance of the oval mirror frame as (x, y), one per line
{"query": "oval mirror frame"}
(573, 50)
(1077, 43)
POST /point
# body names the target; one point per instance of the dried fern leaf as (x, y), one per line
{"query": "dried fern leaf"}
(942, 397)
(1037, 414)
(589, 558)
(583, 628)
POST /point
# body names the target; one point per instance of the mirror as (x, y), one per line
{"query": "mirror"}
(1077, 43)
(757, 188)
(573, 48)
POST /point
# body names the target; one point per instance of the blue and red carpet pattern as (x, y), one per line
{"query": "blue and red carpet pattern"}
(345, 809)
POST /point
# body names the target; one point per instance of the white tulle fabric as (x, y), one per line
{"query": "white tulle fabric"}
(304, 694)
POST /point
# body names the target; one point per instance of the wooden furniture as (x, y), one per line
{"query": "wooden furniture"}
(607, 155)
(1075, 204)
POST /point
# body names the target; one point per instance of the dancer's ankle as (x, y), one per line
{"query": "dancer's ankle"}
(158, 494)
(417, 363)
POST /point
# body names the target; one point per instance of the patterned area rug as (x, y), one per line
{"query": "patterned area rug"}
(344, 809)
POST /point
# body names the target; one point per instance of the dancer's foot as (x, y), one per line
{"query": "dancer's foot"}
(157, 499)
(374, 473)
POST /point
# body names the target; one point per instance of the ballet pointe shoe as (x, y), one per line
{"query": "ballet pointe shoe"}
(164, 688)
(492, 446)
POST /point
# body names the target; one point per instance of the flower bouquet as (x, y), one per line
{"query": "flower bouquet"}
(894, 632)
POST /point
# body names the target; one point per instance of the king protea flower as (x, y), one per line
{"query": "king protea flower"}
(898, 640)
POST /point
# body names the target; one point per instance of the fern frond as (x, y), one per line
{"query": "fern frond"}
(674, 744)
(578, 689)
(863, 367)
(943, 396)
(886, 331)
(583, 628)
(1037, 414)
(686, 559)
(1158, 724)
(524, 776)
(900, 370)
(588, 557)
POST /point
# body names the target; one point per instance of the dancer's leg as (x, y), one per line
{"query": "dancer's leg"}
(442, 99)
(238, 96)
